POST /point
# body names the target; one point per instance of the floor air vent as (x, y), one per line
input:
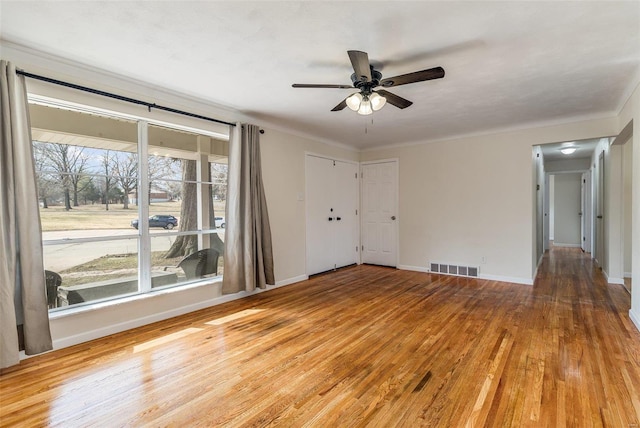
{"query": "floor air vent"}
(457, 270)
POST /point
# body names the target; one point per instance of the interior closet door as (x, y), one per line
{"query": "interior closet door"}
(345, 206)
(332, 221)
(600, 190)
(319, 186)
(379, 213)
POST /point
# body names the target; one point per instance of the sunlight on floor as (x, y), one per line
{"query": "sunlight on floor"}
(235, 316)
(165, 339)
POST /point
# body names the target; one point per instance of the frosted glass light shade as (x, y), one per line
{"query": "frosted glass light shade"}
(377, 101)
(353, 101)
(365, 107)
(568, 150)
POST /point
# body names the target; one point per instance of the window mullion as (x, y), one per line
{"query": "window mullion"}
(144, 244)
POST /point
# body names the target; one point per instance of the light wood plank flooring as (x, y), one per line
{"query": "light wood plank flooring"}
(364, 346)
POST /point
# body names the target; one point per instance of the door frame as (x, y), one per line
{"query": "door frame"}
(395, 204)
(587, 212)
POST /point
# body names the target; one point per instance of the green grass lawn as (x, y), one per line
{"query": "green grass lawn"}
(88, 217)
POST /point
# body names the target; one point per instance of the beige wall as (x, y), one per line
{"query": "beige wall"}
(631, 112)
(468, 199)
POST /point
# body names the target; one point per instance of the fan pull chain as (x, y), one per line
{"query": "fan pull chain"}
(366, 129)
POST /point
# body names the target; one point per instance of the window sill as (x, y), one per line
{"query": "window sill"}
(89, 307)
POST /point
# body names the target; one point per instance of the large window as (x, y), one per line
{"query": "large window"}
(97, 183)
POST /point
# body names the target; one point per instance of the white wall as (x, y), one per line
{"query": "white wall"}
(567, 195)
(552, 208)
(627, 158)
(614, 215)
(567, 165)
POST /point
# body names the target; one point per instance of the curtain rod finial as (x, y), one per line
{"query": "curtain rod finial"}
(262, 131)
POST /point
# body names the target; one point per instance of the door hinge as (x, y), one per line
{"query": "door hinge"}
(356, 175)
(356, 248)
(356, 212)
(363, 248)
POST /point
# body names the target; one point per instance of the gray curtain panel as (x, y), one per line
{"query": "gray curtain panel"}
(23, 299)
(248, 260)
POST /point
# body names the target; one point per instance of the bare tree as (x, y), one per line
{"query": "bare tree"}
(124, 168)
(46, 180)
(219, 174)
(105, 163)
(68, 163)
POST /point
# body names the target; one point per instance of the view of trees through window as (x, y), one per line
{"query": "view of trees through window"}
(89, 188)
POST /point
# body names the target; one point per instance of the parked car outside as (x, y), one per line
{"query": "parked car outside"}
(220, 223)
(160, 220)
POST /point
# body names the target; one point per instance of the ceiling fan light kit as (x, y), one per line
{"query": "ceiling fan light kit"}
(365, 104)
(365, 78)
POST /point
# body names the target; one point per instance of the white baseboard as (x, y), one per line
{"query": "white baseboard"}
(289, 281)
(515, 280)
(414, 268)
(635, 319)
(160, 316)
(512, 279)
(560, 244)
(627, 274)
(612, 280)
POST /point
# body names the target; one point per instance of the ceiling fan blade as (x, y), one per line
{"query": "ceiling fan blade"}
(311, 85)
(417, 76)
(394, 99)
(341, 106)
(360, 63)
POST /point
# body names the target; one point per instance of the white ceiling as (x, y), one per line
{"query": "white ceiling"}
(508, 64)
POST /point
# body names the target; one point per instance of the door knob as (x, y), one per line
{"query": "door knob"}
(393, 217)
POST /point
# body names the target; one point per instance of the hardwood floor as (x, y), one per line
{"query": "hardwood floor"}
(364, 346)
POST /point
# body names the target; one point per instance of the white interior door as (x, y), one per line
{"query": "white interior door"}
(379, 213)
(345, 206)
(332, 222)
(318, 172)
(600, 245)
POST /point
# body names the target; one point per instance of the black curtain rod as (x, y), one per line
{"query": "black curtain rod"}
(120, 97)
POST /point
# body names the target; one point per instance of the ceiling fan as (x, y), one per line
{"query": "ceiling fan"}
(365, 78)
